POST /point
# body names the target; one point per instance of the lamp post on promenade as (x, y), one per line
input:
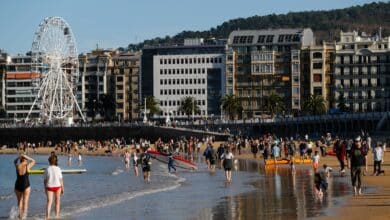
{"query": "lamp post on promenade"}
(145, 117)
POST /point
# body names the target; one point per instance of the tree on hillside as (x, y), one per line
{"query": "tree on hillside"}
(325, 24)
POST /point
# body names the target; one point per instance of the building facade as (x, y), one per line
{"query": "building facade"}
(94, 81)
(195, 69)
(261, 62)
(4, 59)
(362, 72)
(22, 87)
(318, 71)
(125, 79)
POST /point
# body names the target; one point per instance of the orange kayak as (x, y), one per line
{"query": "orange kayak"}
(287, 161)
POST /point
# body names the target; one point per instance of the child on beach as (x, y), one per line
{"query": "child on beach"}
(170, 163)
(127, 159)
(378, 157)
(316, 160)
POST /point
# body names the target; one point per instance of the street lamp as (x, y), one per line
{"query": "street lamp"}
(145, 117)
(221, 112)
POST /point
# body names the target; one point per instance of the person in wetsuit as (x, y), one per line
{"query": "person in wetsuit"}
(22, 183)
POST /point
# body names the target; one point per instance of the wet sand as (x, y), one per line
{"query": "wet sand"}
(371, 205)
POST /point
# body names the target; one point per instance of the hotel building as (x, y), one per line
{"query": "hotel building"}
(362, 72)
(261, 62)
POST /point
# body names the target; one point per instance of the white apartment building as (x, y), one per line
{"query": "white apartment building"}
(362, 72)
(200, 76)
(22, 87)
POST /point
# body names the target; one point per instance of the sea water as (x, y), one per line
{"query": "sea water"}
(109, 191)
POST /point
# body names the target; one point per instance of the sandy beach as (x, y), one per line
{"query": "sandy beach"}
(371, 205)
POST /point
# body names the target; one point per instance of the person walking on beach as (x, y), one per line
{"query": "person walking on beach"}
(135, 161)
(227, 163)
(22, 183)
(316, 161)
(54, 185)
(170, 163)
(127, 159)
(80, 159)
(213, 158)
(378, 157)
(357, 161)
(146, 163)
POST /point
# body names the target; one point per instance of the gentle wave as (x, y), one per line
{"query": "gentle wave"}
(5, 197)
(91, 204)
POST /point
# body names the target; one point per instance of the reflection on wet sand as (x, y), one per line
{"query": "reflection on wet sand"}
(279, 194)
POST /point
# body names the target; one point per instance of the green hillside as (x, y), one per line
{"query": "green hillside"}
(325, 24)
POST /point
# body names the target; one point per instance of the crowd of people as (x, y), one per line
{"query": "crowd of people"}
(351, 153)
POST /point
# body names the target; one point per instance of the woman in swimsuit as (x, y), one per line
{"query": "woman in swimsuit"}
(22, 183)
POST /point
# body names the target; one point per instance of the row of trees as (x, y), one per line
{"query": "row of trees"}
(231, 105)
(325, 24)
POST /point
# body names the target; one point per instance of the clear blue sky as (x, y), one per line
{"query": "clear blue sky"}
(116, 23)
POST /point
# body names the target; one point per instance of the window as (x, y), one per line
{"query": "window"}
(317, 65)
(270, 38)
(236, 39)
(281, 38)
(161, 82)
(317, 78)
(261, 39)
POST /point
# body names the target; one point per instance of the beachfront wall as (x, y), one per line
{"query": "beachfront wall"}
(38, 134)
(347, 125)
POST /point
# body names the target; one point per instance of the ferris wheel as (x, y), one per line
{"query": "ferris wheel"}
(55, 58)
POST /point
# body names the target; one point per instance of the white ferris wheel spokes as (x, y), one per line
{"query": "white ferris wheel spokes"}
(54, 56)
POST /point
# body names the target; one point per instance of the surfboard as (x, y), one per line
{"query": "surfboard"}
(178, 160)
(68, 171)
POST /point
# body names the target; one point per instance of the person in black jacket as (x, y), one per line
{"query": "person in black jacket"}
(357, 161)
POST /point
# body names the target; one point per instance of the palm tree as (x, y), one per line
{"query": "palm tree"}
(274, 104)
(342, 106)
(315, 104)
(188, 106)
(152, 106)
(231, 105)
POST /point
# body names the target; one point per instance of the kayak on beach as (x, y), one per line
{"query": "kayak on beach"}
(331, 153)
(286, 161)
(178, 161)
(69, 171)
